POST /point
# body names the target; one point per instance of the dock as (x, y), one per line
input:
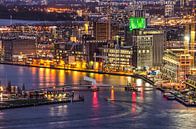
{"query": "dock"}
(22, 103)
(180, 100)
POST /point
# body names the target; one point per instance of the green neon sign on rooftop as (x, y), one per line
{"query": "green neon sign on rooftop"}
(137, 23)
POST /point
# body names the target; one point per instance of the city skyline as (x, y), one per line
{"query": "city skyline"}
(105, 64)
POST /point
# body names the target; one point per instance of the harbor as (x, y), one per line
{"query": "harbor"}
(33, 102)
(15, 97)
(147, 104)
(182, 97)
(97, 64)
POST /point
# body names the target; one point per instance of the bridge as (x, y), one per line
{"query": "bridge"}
(82, 87)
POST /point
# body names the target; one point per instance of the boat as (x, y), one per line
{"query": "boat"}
(166, 94)
(169, 96)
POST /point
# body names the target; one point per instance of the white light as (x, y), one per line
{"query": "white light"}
(139, 82)
(187, 38)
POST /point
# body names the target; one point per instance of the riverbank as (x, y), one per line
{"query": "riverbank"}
(73, 69)
(88, 71)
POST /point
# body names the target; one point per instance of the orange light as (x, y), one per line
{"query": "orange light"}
(112, 94)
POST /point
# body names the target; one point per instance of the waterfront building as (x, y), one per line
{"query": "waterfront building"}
(117, 59)
(68, 54)
(176, 65)
(148, 46)
(90, 47)
(105, 55)
(17, 49)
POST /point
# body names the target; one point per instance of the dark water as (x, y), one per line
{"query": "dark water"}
(148, 109)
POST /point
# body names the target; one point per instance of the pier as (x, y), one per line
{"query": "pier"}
(21, 103)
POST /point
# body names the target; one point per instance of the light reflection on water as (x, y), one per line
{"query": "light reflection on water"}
(43, 77)
(150, 111)
(62, 76)
(139, 82)
(58, 110)
(134, 96)
(95, 100)
(112, 96)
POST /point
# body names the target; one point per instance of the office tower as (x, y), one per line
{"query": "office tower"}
(148, 48)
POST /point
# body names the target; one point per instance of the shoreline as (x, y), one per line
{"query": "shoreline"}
(71, 69)
(87, 71)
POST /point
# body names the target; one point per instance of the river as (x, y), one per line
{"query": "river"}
(144, 110)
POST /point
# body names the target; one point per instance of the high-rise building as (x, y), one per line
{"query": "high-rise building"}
(148, 46)
(101, 30)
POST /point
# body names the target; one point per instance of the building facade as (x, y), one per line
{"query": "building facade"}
(18, 48)
(68, 53)
(117, 59)
(105, 31)
(176, 65)
(148, 46)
